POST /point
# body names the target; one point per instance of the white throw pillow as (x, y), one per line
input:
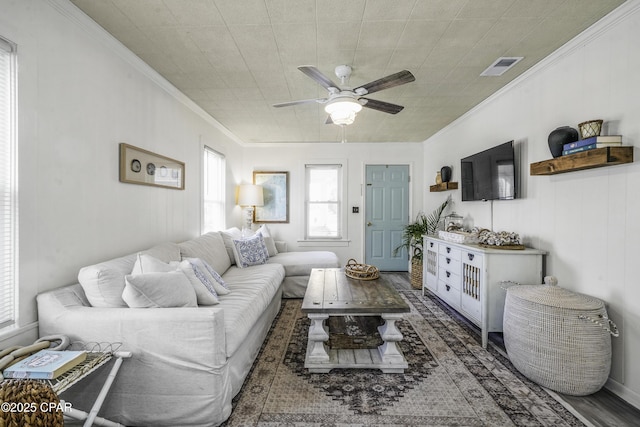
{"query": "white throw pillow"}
(146, 263)
(268, 240)
(251, 251)
(216, 280)
(204, 289)
(264, 230)
(228, 236)
(158, 290)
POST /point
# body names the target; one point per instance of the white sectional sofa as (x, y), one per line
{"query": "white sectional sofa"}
(189, 360)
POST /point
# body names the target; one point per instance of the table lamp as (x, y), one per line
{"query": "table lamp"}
(249, 196)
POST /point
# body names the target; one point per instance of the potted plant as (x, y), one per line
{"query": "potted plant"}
(412, 239)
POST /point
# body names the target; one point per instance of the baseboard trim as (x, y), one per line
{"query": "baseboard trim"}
(624, 393)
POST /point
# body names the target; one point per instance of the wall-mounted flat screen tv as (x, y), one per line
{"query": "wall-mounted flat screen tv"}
(490, 174)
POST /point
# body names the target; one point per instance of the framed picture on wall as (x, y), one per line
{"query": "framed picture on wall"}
(138, 166)
(275, 187)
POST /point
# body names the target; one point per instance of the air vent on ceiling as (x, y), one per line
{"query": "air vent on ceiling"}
(501, 65)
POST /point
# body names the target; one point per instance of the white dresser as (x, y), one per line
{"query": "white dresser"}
(468, 277)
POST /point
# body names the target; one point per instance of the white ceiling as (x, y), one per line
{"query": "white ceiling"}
(235, 58)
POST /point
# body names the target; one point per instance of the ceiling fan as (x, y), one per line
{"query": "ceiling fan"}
(342, 105)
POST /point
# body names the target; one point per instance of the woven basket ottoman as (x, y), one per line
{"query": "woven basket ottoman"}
(558, 338)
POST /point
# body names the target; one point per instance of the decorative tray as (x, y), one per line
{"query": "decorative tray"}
(458, 236)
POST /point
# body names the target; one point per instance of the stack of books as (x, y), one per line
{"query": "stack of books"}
(591, 143)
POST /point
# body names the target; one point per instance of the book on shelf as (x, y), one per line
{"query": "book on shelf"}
(590, 147)
(45, 364)
(602, 139)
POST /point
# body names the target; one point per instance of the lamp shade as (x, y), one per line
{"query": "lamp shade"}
(250, 195)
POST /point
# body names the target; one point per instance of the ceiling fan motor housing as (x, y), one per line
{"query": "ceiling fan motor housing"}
(343, 72)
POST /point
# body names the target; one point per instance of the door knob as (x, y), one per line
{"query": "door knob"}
(369, 224)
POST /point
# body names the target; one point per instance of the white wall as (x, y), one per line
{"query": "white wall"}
(292, 158)
(80, 94)
(586, 220)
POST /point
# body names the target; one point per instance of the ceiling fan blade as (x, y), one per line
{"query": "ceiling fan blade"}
(390, 81)
(316, 75)
(385, 107)
(303, 101)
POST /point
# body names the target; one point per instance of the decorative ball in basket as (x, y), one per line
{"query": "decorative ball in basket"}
(558, 338)
(359, 271)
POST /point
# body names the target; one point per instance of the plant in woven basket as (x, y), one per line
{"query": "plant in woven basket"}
(424, 224)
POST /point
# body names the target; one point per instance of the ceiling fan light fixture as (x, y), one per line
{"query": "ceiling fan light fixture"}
(343, 111)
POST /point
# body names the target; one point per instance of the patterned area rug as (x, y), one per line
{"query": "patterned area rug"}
(451, 380)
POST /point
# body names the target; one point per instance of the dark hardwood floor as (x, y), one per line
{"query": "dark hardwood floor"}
(601, 409)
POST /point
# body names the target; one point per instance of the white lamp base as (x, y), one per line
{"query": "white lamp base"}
(247, 225)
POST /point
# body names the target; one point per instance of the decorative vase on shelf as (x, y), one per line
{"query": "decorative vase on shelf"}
(559, 137)
(445, 173)
(438, 178)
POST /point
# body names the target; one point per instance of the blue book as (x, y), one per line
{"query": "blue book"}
(579, 149)
(610, 139)
(45, 364)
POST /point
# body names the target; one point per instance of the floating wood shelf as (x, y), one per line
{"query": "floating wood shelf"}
(444, 186)
(596, 158)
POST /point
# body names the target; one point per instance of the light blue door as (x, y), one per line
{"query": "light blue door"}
(386, 214)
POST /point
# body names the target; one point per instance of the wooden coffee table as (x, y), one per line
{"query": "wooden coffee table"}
(331, 293)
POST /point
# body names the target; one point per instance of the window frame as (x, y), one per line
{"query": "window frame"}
(220, 175)
(340, 166)
(9, 289)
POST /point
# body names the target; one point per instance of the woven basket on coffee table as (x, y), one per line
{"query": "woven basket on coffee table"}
(558, 338)
(355, 270)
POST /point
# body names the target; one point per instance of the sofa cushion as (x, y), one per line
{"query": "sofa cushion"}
(251, 251)
(209, 247)
(103, 283)
(158, 290)
(301, 263)
(202, 285)
(252, 289)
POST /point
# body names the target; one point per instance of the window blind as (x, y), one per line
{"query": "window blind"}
(213, 215)
(8, 190)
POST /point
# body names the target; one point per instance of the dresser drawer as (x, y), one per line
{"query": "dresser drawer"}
(450, 294)
(472, 258)
(449, 277)
(450, 251)
(450, 263)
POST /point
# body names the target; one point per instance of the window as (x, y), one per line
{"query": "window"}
(8, 188)
(213, 205)
(324, 201)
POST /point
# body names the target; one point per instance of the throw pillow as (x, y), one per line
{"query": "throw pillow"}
(251, 251)
(146, 263)
(158, 290)
(205, 292)
(227, 237)
(215, 279)
(264, 230)
(103, 283)
(271, 246)
(268, 240)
